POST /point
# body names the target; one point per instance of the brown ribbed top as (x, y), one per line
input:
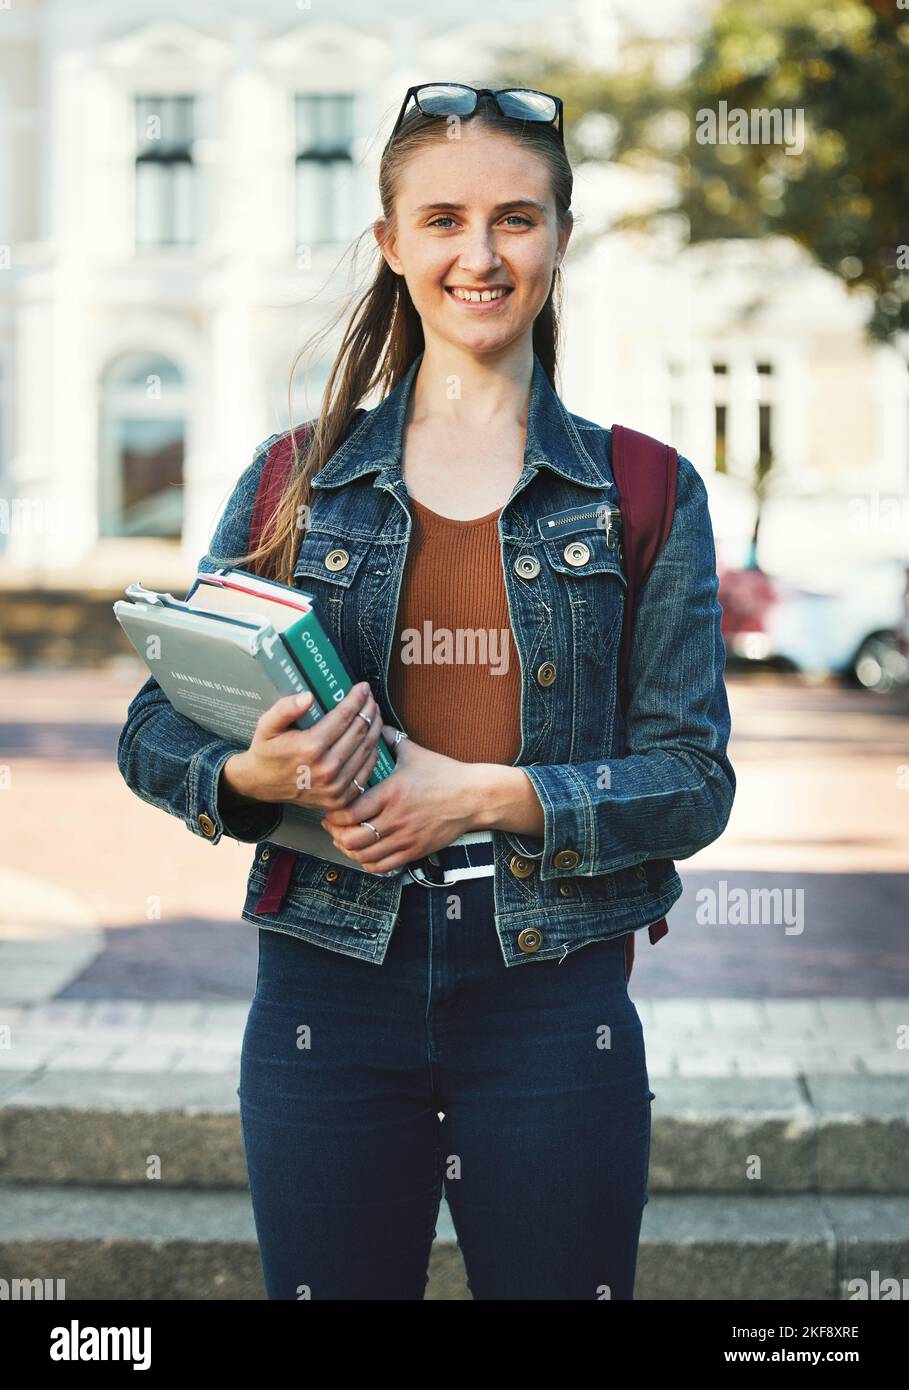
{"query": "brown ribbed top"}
(446, 688)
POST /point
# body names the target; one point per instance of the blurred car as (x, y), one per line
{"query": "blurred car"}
(748, 598)
(860, 632)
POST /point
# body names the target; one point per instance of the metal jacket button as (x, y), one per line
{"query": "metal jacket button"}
(530, 940)
(566, 859)
(206, 825)
(641, 873)
(546, 673)
(331, 874)
(336, 559)
(521, 868)
(576, 553)
(527, 566)
(566, 890)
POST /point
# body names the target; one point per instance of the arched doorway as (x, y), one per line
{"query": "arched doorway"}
(141, 440)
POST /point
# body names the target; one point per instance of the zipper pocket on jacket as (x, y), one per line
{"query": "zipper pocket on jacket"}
(562, 523)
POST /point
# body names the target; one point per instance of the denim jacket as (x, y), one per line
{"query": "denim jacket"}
(619, 804)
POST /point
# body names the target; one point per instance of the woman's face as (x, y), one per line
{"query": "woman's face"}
(476, 213)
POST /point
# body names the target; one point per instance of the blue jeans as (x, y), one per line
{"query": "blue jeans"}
(540, 1074)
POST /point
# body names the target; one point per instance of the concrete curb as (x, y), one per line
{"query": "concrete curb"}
(818, 1134)
(201, 1245)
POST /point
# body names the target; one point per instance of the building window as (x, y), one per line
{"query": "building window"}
(764, 437)
(165, 174)
(325, 169)
(719, 417)
(766, 399)
(141, 444)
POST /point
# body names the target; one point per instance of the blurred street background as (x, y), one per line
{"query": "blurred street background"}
(181, 190)
(819, 807)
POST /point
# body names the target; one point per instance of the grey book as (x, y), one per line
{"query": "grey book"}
(223, 671)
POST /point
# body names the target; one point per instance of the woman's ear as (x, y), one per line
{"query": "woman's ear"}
(564, 237)
(386, 244)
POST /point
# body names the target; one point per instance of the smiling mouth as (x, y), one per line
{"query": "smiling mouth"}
(490, 296)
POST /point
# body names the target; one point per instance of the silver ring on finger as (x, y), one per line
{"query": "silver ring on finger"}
(357, 785)
(376, 832)
(365, 716)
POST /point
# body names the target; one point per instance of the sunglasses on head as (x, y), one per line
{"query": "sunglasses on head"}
(457, 99)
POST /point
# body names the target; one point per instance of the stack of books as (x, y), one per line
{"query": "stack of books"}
(227, 652)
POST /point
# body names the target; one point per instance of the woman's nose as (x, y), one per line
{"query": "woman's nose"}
(479, 259)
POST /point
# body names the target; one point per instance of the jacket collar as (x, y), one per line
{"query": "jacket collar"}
(375, 445)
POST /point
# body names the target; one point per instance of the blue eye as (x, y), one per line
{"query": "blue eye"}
(511, 216)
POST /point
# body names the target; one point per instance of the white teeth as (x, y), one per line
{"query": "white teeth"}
(478, 296)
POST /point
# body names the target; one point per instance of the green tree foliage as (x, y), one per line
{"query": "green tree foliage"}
(844, 197)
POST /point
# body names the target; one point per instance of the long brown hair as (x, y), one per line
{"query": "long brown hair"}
(385, 333)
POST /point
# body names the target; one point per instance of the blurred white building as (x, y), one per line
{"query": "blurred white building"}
(179, 185)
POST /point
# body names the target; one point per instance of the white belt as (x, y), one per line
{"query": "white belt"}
(453, 875)
(470, 837)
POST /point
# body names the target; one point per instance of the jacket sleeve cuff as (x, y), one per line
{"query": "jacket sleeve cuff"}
(527, 846)
(569, 824)
(206, 814)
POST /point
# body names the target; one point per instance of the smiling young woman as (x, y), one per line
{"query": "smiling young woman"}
(495, 1054)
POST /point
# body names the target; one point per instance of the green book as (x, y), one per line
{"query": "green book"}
(295, 615)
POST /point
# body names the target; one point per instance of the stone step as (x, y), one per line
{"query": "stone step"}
(161, 1244)
(816, 1134)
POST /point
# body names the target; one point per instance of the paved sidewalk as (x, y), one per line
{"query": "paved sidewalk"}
(48, 937)
(684, 1038)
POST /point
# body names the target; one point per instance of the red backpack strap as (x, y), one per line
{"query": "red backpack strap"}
(276, 471)
(645, 472)
(273, 480)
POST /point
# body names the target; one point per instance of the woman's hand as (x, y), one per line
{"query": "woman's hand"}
(428, 801)
(309, 767)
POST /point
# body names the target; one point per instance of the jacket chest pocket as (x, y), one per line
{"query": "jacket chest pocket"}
(586, 569)
(326, 569)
